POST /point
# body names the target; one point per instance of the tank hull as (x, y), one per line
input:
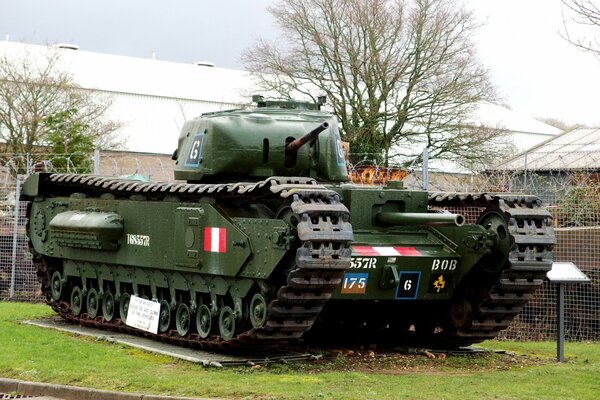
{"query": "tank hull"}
(242, 266)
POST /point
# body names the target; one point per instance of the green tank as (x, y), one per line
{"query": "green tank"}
(262, 242)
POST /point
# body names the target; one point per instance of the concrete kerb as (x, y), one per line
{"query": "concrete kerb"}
(75, 393)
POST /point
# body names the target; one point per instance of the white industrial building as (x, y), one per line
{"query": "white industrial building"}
(153, 98)
(524, 130)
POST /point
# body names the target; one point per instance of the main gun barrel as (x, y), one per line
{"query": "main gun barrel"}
(296, 144)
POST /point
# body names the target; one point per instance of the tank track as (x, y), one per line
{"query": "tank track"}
(321, 259)
(530, 258)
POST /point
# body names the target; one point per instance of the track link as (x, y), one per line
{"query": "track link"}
(323, 255)
(530, 258)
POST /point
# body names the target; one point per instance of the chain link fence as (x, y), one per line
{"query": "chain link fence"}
(573, 197)
(18, 280)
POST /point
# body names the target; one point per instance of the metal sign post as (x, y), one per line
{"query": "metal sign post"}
(561, 274)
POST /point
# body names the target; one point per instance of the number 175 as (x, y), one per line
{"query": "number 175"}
(350, 282)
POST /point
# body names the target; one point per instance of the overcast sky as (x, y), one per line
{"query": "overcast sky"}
(536, 71)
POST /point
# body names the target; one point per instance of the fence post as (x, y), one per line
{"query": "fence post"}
(525, 172)
(425, 169)
(29, 167)
(96, 162)
(15, 238)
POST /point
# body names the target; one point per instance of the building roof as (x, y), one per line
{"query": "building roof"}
(114, 73)
(577, 149)
(177, 87)
(496, 116)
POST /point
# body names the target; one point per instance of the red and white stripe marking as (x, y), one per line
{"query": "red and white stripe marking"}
(215, 239)
(385, 251)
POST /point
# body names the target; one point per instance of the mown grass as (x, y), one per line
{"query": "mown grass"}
(37, 354)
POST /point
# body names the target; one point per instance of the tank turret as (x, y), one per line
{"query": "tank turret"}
(275, 138)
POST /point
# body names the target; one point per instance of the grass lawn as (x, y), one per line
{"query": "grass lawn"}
(42, 355)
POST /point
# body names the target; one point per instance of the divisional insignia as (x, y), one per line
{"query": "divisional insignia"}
(439, 283)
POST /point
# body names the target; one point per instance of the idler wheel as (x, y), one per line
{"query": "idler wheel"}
(93, 303)
(165, 316)
(56, 285)
(203, 321)
(182, 319)
(108, 306)
(76, 300)
(227, 323)
(258, 310)
(124, 306)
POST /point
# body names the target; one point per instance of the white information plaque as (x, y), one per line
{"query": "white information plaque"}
(566, 272)
(143, 314)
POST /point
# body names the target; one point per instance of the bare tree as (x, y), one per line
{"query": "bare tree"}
(399, 74)
(42, 108)
(559, 123)
(585, 14)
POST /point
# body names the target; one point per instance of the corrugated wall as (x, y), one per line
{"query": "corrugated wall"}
(152, 123)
